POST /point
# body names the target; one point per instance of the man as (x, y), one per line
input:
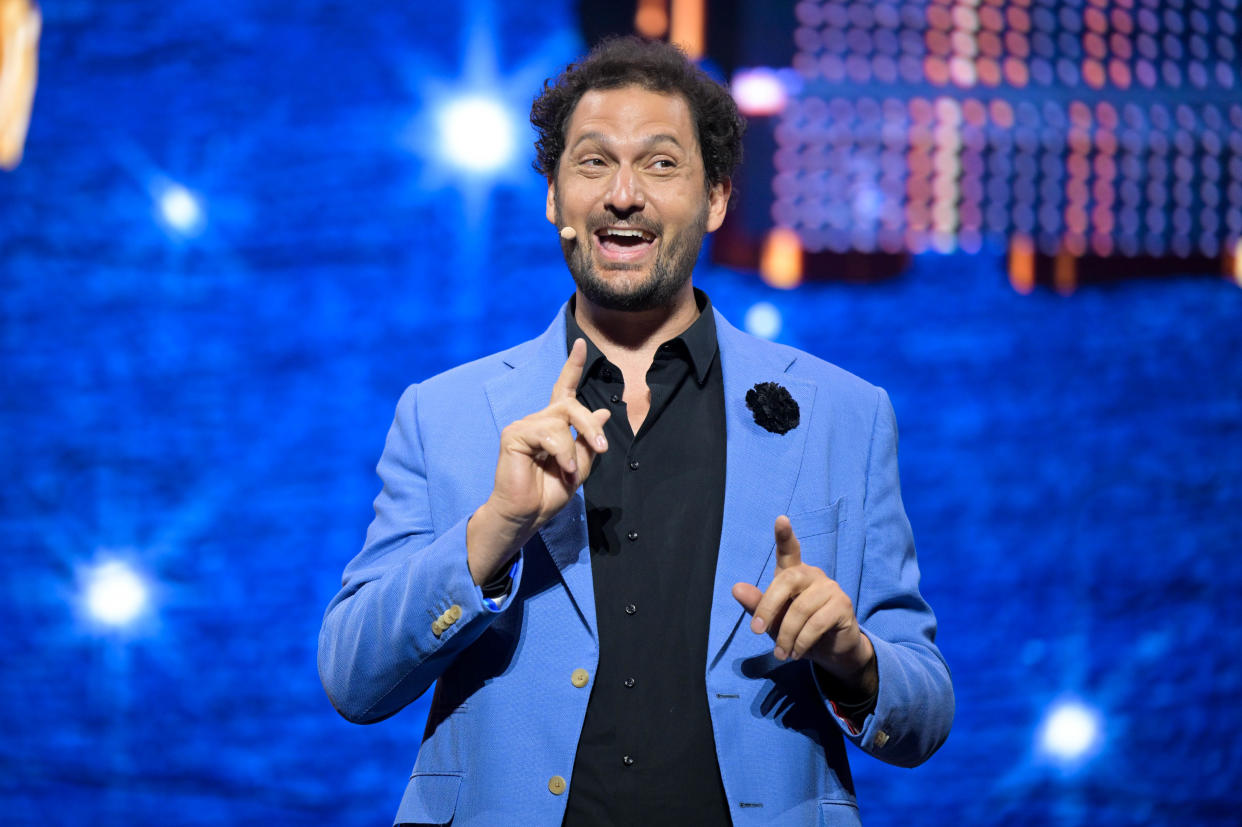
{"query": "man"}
(575, 572)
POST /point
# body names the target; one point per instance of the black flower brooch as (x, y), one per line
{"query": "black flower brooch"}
(773, 407)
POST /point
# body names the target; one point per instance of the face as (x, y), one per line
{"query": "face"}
(631, 184)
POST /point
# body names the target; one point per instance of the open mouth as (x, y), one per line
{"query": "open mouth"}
(623, 243)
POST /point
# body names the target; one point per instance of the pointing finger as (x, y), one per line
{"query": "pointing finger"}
(566, 386)
(788, 549)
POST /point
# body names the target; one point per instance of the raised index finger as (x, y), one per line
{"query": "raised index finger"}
(566, 386)
(788, 549)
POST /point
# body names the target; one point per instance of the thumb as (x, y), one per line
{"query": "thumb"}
(748, 595)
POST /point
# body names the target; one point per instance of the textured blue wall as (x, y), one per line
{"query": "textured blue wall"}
(209, 408)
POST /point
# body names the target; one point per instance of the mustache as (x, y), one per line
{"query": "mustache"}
(597, 221)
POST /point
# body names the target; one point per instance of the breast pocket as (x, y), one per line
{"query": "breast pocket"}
(817, 534)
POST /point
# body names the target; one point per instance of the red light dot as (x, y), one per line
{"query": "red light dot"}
(990, 44)
(1002, 113)
(1094, 45)
(1018, 19)
(1095, 20)
(1119, 45)
(1101, 244)
(936, 71)
(1106, 115)
(921, 111)
(1017, 44)
(1015, 72)
(1119, 74)
(973, 112)
(1075, 244)
(938, 43)
(939, 17)
(1093, 73)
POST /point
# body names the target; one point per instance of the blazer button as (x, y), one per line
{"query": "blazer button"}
(556, 785)
(438, 627)
(579, 678)
(881, 738)
(453, 614)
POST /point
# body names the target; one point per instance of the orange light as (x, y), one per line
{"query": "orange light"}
(1065, 265)
(687, 28)
(1022, 264)
(1233, 260)
(780, 262)
(651, 19)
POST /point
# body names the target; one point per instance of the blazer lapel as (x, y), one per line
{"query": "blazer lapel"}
(518, 393)
(760, 470)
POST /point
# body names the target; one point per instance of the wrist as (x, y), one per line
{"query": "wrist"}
(854, 672)
(491, 542)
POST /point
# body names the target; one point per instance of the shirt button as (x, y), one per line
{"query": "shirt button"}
(615, 398)
(633, 535)
(630, 608)
(633, 465)
(579, 678)
(629, 683)
(556, 785)
(627, 760)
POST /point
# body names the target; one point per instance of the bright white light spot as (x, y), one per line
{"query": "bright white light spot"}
(758, 92)
(1070, 731)
(763, 320)
(115, 594)
(180, 209)
(476, 134)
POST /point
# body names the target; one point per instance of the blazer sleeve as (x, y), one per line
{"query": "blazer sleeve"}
(914, 706)
(407, 603)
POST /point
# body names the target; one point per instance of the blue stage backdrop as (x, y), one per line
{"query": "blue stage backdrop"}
(240, 229)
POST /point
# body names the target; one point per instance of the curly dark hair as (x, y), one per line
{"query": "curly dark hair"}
(658, 67)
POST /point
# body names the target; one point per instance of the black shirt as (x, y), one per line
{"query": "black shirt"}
(654, 503)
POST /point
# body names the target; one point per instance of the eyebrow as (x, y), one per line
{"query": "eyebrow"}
(647, 143)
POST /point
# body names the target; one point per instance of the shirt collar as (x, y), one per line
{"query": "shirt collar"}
(699, 339)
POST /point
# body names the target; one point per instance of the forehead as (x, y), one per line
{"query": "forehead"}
(631, 113)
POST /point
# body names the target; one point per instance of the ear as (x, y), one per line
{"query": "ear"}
(550, 209)
(718, 204)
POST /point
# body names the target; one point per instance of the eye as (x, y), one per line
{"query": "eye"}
(664, 164)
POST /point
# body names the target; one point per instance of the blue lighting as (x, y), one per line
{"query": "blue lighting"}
(180, 210)
(477, 134)
(1070, 734)
(115, 594)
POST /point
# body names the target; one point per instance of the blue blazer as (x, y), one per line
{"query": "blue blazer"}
(504, 722)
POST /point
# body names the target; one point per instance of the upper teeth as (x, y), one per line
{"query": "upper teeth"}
(627, 233)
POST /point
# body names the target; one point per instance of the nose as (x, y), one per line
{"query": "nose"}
(625, 195)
